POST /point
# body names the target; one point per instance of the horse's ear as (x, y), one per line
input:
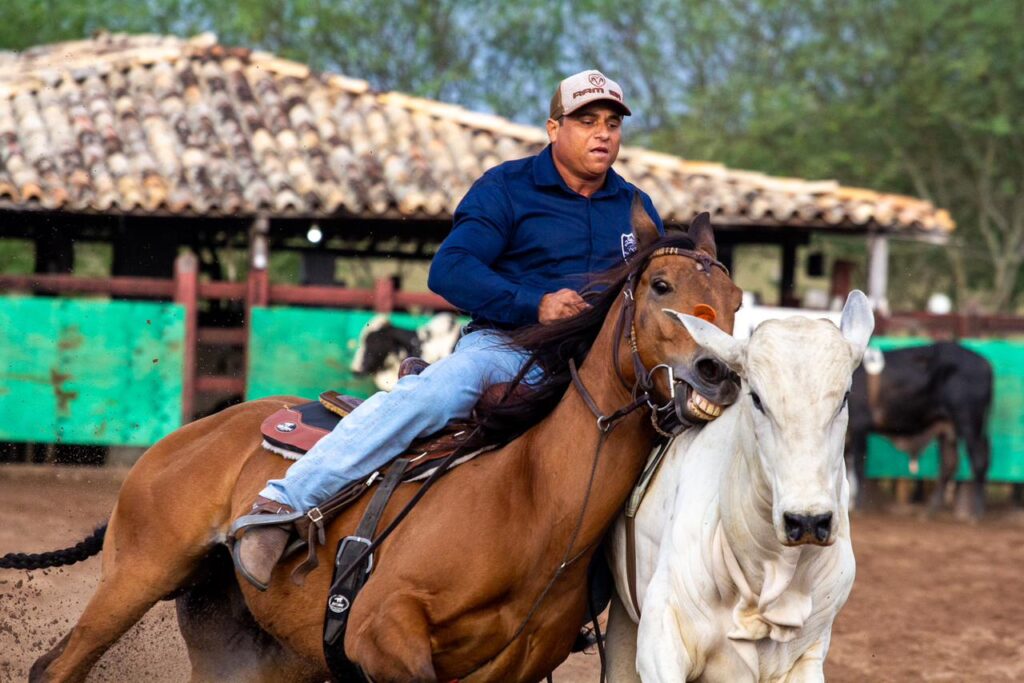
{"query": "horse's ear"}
(703, 235)
(644, 229)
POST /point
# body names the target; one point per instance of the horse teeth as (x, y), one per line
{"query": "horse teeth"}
(703, 407)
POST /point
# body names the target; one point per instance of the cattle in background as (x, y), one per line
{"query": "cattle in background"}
(382, 347)
(940, 391)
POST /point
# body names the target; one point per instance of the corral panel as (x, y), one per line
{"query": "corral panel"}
(89, 372)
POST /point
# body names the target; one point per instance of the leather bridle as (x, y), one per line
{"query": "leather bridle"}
(669, 418)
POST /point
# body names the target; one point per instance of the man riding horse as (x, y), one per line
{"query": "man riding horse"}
(522, 240)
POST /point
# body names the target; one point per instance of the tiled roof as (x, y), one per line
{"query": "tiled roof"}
(156, 124)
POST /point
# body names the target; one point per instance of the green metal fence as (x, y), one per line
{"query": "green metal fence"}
(89, 372)
(1006, 422)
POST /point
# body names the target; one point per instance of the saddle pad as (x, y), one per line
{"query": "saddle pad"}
(293, 430)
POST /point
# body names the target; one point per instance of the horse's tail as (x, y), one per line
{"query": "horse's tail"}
(57, 558)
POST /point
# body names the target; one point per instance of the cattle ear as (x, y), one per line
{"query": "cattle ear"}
(725, 347)
(644, 229)
(702, 234)
(857, 323)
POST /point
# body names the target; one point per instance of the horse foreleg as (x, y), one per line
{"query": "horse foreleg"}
(391, 642)
(620, 644)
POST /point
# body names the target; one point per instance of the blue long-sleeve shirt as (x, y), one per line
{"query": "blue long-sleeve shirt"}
(521, 233)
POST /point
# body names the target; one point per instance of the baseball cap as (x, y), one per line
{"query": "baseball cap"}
(583, 88)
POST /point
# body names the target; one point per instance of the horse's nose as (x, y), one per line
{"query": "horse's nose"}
(713, 371)
(808, 528)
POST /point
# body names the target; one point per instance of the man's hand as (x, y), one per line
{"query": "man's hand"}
(564, 303)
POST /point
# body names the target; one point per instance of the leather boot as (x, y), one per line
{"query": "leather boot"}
(263, 542)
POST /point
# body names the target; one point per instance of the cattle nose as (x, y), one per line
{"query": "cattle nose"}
(808, 528)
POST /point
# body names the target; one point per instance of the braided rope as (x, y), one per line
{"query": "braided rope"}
(57, 558)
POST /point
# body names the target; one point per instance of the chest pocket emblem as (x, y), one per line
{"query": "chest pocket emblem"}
(628, 241)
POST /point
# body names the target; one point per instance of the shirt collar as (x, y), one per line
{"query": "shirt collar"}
(546, 175)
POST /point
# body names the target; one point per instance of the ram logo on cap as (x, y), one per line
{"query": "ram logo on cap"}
(581, 89)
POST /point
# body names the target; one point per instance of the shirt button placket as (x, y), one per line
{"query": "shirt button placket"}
(590, 232)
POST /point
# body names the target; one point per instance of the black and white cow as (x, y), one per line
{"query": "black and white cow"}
(940, 391)
(382, 347)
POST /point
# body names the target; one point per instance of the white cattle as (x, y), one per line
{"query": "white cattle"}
(743, 554)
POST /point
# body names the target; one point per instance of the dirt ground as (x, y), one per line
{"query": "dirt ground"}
(934, 600)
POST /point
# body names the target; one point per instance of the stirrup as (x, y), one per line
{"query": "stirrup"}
(240, 568)
(263, 519)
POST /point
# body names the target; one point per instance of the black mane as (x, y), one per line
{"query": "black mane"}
(551, 346)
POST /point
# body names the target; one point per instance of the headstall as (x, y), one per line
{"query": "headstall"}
(668, 419)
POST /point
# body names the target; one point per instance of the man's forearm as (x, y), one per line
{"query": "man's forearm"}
(470, 285)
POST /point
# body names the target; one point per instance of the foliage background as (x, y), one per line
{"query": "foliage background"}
(915, 96)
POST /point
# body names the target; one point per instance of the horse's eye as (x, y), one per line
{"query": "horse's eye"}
(756, 401)
(660, 286)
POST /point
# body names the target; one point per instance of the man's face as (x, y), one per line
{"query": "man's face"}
(586, 142)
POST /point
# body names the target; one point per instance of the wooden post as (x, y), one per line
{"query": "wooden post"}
(878, 272)
(258, 286)
(787, 285)
(841, 282)
(186, 292)
(384, 295)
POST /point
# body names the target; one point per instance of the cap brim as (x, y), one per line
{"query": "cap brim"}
(609, 100)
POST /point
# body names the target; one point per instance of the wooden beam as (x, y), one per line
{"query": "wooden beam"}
(384, 295)
(186, 291)
(787, 283)
(878, 272)
(134, 287)
(221, 384)
(258, 286)
(222, 336)
(322, 296)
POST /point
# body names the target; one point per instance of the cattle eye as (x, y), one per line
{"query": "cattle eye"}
(756, 401)
(660, 286)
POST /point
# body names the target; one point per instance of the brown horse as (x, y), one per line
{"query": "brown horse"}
(469, 586)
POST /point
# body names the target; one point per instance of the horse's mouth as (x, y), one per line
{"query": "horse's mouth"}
(698, 407)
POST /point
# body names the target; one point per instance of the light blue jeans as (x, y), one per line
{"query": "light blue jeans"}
(383, 427)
